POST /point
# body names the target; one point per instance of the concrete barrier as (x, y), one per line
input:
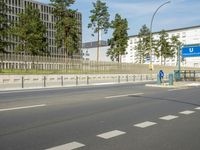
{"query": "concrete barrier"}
(44, 81)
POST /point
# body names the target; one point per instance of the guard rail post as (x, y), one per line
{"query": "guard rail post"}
(76, 80)
(88, 80)
(118, 79)
(44, 81)
(22, 82)
(62, 84)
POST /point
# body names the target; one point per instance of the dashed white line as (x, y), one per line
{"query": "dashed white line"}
(117, 96)
(198, 108)
(187, 112)
(145, 124)
(23, 107)
(169, 117)
(68, 146)
(177, 89)
(111, 134)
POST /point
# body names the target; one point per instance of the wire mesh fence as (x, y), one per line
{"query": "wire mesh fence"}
(42, 64)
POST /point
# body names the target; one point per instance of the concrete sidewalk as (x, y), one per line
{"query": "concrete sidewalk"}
(180, 84)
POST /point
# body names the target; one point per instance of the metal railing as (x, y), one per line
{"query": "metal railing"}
(187, 75)
(44, 63)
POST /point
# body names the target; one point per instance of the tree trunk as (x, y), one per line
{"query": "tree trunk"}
(65, 60)
(164, 61)
(160, 60)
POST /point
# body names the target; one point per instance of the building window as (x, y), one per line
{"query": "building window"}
(183, 35)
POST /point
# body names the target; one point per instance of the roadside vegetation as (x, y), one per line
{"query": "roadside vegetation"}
(30, 34)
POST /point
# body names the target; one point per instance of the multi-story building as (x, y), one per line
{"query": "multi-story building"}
(46, 15)
(188, 36)
(89, 51)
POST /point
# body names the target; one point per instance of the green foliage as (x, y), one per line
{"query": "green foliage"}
(164, 49)
(175, 45)
(100, 17)
(68, 32)
(4, 26)
(119, 42)
(31, 32)
(143, 45)
(99, 20)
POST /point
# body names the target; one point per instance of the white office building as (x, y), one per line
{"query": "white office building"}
(89, 51)
(188, 36)
(46, 15)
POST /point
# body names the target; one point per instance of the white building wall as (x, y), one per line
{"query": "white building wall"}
(91, 54)
(186, 35)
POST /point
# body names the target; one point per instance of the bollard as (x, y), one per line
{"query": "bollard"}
(158, 79)
(141, 77)
(127, 78)
(171, 79)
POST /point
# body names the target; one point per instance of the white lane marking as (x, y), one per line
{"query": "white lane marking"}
(111, 134)
(69, 146)
(198, 108)
(169, 117)
(187, 112)
(24, 107)
(145, 124)
(117, 96)
(177, 89)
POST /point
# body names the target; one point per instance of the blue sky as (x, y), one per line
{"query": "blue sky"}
(177, 14)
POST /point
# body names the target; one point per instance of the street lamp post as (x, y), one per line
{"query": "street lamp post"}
(151, 65)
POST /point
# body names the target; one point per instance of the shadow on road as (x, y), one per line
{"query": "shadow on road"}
(164, 99)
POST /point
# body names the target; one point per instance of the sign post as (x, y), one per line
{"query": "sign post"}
(187, 51)
(179, 64)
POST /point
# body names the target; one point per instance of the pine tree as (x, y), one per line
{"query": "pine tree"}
(119, 42)
(31, 32)
(143, 44)
(163, 47)
(67, 27)
(99, 20)
(175, 45)
(4, 26)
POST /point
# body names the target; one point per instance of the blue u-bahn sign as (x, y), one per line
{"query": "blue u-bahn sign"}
(191, 51)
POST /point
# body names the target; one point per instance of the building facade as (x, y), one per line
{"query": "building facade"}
(89, 51)
(188, 36)
(46, 15)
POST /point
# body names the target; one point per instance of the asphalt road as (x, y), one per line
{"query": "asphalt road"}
(106, 117)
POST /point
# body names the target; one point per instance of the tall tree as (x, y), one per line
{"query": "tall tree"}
(163, 47)
(31, 32)
(67, 26)
(175, 45)
(99, 20)
(142, 47)
(119, 42)
(4, 26)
